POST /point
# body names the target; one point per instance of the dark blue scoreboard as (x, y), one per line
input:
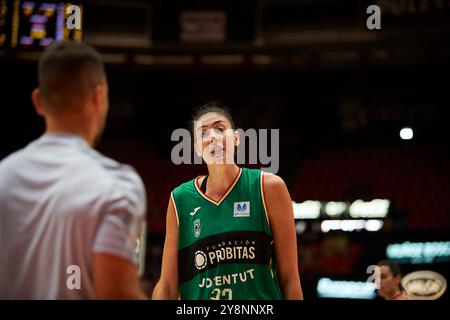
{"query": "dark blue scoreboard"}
(36, 24)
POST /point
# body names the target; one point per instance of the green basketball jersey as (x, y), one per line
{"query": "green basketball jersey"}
(225, 248)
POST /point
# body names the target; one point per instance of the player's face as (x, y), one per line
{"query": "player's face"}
(388, 283)
(215, 139)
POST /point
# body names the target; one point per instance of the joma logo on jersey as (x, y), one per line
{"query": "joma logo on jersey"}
(241, 209)
(197, 229)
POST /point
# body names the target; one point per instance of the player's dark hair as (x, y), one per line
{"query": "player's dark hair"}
(395, 269)
(67, 71)
(211, 106)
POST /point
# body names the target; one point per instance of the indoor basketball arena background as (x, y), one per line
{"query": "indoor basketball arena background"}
(339, 93)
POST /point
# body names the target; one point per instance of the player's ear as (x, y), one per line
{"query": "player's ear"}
(198, 149)
(37, 102)
(97, 95)
(237, 138)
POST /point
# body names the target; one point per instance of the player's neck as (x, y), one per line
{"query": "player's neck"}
(71, 127)
(394, 295)
(221, 177)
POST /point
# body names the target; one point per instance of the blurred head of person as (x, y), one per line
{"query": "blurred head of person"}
(390, 280)
(214, 133)
(73, 91)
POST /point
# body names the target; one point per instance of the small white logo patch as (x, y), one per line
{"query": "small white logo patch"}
(200, 260)
(241, 209)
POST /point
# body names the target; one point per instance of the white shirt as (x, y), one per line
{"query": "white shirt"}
(61, 201)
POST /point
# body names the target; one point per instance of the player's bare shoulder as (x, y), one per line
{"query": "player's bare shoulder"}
(276, 195)
(272, 182)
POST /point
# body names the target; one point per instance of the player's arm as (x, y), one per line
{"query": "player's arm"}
(281, 218)
(116, 278)
(167, 286)
(114, 250)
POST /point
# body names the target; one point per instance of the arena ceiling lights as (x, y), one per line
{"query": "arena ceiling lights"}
(358, 209)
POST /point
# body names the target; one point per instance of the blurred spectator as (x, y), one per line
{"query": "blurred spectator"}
(390, 282)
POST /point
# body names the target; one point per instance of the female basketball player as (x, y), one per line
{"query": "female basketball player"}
(230, 234)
